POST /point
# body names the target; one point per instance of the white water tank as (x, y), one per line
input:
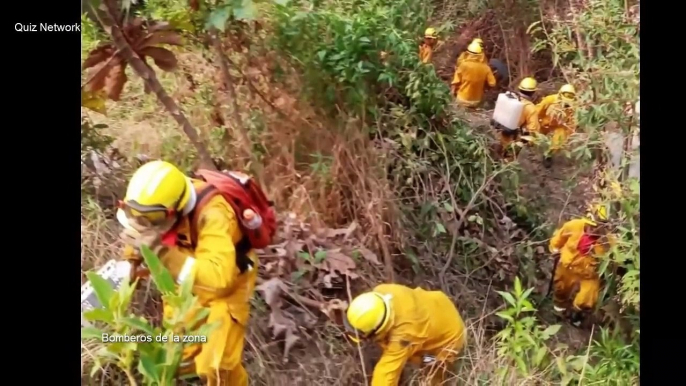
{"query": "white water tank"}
(508, 110)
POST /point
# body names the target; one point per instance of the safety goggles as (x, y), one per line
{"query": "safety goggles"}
(154, 214)
(568, 96)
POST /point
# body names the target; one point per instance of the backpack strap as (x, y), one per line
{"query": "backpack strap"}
(204, 195)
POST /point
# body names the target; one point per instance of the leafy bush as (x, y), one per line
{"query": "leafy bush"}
(361, 55)
(158, 356)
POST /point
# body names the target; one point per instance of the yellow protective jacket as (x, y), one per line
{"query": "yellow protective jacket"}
(466, 54)
(470, 78)
(422, 323)
(529, 118)
(218, 283)
(553, 115)
(566, 240)
(425, 53)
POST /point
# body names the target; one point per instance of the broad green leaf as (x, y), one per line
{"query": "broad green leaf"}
(246, 11)
(448, 207)
(146, 366)
(525, 295)
(550, 331)
(91, 333)
(99, 315)
(162, 278)
(505, 316)
(518, 286)
(319, 256)
(282, 2)
(540, 354)
(102, 288)
(522, 365)
(218, 19)
(440, 228)
(508, 298)
(138, 323)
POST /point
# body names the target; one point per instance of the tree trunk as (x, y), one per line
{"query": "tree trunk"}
(140, 68)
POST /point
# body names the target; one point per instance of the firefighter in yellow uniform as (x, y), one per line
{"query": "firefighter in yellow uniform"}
(416, 325)
(579, 244)
(528, 120)
(427, 47)
(471, 77)
(465, 54)
(556, 115)
(159, 199)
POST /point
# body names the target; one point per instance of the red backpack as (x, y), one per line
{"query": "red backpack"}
(241, 192)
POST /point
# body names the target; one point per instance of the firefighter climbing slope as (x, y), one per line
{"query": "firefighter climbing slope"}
(465, 54)
(427, 47)
(579, 244)
(192, 225)
(515, 117)
(410, 325)
(471, 77)
(556, 115)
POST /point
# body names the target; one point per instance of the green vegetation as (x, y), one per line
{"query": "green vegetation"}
(327, 104)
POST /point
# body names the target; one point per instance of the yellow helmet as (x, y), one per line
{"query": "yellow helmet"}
(528, 84)
(598, 213)
(567, 93)
(157, 191)
(367, 314)
(478, 41)
(430, 33)
(475, 48)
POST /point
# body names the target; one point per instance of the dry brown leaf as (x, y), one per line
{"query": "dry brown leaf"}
(335, 261)
(369, 255)
(114, 83)
(97, 56)
(163, 58)
(271, 291)
(333, 308)
(97, 76)
(157, 38)
(281, 322)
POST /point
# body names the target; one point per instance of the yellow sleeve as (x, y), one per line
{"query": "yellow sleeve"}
(542, 107)
(389, 368)
(457, 77)
(559, 238)
(490, 78)
(214, 263)
(532, 124)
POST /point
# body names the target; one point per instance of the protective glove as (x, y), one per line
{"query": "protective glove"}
(136, 238)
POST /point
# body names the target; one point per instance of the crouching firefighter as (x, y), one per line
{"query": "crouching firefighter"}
(577, 247)
(205, 228)
(423, 327)
(512, 139)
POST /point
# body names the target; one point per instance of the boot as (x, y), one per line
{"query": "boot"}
(547, 162)
(576, 318)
